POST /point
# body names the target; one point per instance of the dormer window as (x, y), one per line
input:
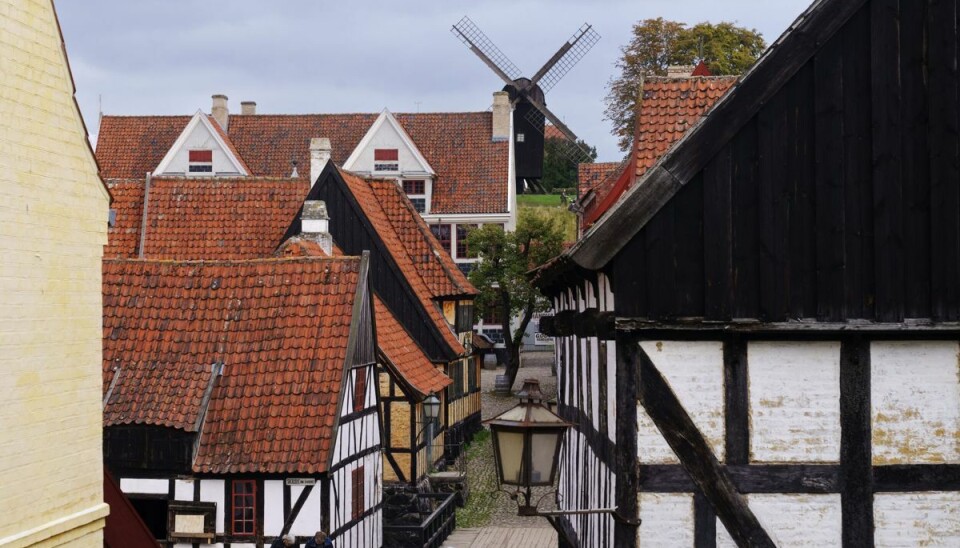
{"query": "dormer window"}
(416, 190)
(386, 159)
(201, 161)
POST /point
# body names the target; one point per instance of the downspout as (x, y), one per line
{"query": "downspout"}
(143, 221)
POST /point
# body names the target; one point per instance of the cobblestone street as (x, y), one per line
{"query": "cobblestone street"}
(504, 511)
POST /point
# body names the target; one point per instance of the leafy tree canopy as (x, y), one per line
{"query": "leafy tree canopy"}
(501, 273)
(560, 159)
(657, 44)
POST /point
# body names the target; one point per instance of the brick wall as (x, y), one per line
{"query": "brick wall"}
(53, 212)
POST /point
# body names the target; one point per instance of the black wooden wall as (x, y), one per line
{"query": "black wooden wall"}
(354, 234)
(839, 199)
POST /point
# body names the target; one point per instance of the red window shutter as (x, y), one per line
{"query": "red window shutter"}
(201, 155)
(360, 390)
(358, 505)
(385, 155)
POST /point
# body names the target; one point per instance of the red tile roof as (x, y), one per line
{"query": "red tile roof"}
(434, 264)
(362, 191)
(669, 107)
(404, 353)
(272, 410)
(471, 169)
(393, 340)
(205, 218)
(591, 175)
(229, 143)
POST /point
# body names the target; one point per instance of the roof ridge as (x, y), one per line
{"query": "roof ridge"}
(229, 262)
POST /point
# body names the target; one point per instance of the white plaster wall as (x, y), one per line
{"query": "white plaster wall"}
(145, 486)
(201, 139)
(694, 370)
(667, 520)
(915, 396)
(794, 520)
(309, 519)
(212, 491)
(273, 507)
(916, 519)
(794, 401)
(387, 137)
(183, 489)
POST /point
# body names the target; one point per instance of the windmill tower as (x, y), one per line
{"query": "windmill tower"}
(528, 96)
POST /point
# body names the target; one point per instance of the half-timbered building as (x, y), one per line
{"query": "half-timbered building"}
(427, 294)
(759, 342)
(240, 398)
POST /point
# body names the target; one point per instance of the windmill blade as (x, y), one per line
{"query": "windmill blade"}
(484, 48)
(571, 149)
(565, 58)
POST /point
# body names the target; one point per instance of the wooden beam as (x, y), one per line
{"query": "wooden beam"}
(689, 445)
(856, 467)
(736, 401)
(628, 378)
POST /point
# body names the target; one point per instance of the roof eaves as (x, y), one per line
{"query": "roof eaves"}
(687, 156)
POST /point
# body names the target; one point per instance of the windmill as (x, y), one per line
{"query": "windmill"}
(528, 96)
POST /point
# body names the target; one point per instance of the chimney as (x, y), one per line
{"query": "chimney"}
(315, 224)
(219, 111)
(501, 116)
(319, 156)
(680, 71)
(248, 107)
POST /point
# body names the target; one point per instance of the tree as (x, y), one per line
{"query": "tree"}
(501, 273)
(658, 43)
(560, 159)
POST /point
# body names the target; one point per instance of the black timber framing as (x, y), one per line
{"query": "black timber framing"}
(354, 233)
(686, 441)
(629, 377)
(856, 466)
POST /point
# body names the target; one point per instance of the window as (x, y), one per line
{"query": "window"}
(416, 190)
(386, 159)
(360, 390)
(201, 161)
(442, 234)
(357, 490)
(463, 252)
(414, 187)
(491, 313)
(244, 501)
(520, 137)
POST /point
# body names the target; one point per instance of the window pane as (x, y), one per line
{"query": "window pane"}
(462, 232)
(511, 449)
(414, 187)
(442, 234)
(201, 168)
(419, 204)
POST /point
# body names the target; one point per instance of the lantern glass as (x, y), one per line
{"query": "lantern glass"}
(510, 446)
(543, 453)
(431, 407)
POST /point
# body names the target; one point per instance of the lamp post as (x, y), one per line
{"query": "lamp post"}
(431, 409)
(526, 449)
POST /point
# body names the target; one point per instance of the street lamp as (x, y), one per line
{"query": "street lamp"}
(431, 410)
(526, 449)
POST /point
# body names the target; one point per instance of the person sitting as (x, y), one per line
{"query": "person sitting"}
(320, 540)
(286, 541)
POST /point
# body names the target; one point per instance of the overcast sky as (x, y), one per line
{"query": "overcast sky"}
(313, 56)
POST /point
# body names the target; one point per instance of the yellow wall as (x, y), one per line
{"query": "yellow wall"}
(53, 223)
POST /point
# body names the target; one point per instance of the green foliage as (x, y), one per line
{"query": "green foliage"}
(657, 44)
(501, 273)
(560, 159)
(482, 483)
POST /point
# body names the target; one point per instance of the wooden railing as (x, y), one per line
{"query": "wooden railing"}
(436, 526)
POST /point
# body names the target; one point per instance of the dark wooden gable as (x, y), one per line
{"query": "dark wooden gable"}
(837, 197)
(354, 234)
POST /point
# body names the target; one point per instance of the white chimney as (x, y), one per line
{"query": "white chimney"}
(248, 107)
(219, 111)
(319, 156)
(680, 71)
(315, 224)
(501, 116)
